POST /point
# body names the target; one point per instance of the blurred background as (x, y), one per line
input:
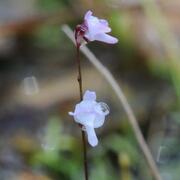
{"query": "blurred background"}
(38, 139)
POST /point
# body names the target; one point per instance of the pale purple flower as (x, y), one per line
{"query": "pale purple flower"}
(90, 114)
(93, 29)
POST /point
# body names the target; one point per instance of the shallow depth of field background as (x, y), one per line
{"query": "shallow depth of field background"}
(38, 87)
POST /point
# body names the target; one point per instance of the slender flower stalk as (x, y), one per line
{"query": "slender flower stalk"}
(79, 79)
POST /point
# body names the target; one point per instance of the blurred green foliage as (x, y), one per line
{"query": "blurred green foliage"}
(50, 5)
(59, 153)
(61, 156)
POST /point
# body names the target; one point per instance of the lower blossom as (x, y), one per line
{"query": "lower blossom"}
(90, 114)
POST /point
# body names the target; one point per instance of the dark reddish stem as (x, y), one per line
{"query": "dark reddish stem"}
(79, 78)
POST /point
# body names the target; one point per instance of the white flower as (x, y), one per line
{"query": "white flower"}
(94, 29)
(90, 114)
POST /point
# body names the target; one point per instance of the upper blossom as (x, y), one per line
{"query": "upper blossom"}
(93, 29)
(90, 114)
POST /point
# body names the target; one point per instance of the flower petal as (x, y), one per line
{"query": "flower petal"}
(93, 26)
(71, 113)
(89, 95)
(96, 26)
(102, 108)
(106, 38)
(88, 14)
(104, 26)
(104, 22)
(92, 138)
(86, 119)
(84, 106)
(99, 120)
